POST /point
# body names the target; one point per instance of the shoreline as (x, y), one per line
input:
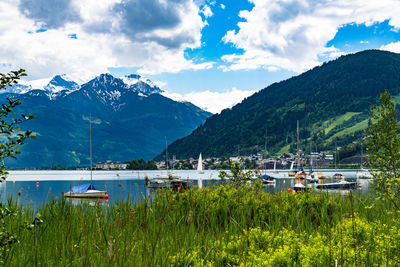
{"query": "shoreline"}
(83, 175)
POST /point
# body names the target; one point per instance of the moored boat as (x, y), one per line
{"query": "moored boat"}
(85, 191)
(338, 176)
(266, 179)
(312, 179)
(301, 187)
(340, 185)
(301, 175)
(364, 174)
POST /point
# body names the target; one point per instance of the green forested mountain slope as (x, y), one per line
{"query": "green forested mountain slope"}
(331, 102)
(128, 121)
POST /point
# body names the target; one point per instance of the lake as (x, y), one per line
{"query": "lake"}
(33, 188)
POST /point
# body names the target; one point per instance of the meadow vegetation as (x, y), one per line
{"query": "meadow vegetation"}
(222, 226)
(236, 224)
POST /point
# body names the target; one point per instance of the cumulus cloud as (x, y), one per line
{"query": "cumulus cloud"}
(150, 35)
(213, 102)
(168, 23)
(50, 13)
(206, 10)
(292, 34)
(392, 47)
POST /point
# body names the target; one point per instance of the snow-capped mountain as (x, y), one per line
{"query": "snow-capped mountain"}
(141, 84)
(106, 85)
(16, 89)
(60, 83)
(130, 119)
(110, 90)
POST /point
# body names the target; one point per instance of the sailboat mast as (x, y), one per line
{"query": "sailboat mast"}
(298, 146)
(311, 154)
(166, 153)
(90, 146)
(361, 158)
(336, 157)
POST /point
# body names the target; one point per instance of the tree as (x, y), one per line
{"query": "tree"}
(12, 138)
(237, 175)
(10, 130)
(141, 164)
(383, 149)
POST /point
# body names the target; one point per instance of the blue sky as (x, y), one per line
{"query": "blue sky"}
(349, 38)
(212, 53)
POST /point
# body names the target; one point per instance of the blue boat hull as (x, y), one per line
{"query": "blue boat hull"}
(337, 185)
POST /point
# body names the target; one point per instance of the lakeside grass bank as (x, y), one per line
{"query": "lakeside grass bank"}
(222, 226)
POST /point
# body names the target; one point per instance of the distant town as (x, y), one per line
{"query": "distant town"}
(325, 159)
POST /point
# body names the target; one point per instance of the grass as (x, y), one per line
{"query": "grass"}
(345, 117)
(209, 227)
(356, 127)
(284, 149)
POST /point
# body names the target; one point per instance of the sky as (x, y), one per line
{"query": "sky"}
(211, 53)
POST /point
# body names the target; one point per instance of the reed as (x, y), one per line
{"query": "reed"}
(209, 226)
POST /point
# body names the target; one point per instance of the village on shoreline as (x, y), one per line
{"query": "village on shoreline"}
(325, 159)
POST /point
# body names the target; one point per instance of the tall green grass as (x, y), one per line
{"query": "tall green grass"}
(210, 226)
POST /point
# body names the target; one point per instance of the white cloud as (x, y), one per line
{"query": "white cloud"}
(206, 10)
(213, 102)
(222, 6)
(292, 34)
(106, 37)
(392, 47)
(160, 84)
(364, 42)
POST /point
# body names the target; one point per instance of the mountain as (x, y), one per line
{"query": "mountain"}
(130, 119)
(141, 84)
(331, 102)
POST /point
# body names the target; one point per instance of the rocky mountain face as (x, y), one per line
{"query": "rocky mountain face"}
(130, 119)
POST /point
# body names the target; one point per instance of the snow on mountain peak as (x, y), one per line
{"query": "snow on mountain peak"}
(141, 84)
(17, 89)
(60, 83)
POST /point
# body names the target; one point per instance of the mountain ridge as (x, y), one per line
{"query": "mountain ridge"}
(127, 123)
(316, 98)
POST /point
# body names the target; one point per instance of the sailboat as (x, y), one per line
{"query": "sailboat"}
(200, 170)
(292, 172)
(87, 190)
(275, 171)
(200, 165)
(164, 180)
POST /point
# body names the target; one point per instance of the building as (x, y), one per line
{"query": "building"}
(110, 165)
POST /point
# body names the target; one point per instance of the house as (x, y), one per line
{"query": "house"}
(109, 165)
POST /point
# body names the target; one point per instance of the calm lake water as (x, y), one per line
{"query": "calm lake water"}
(123, 185)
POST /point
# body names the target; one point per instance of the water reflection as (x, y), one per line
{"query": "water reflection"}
(126, 185)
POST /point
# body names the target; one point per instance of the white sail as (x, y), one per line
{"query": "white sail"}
(200, 170)
(200, 165)
(291, 166)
